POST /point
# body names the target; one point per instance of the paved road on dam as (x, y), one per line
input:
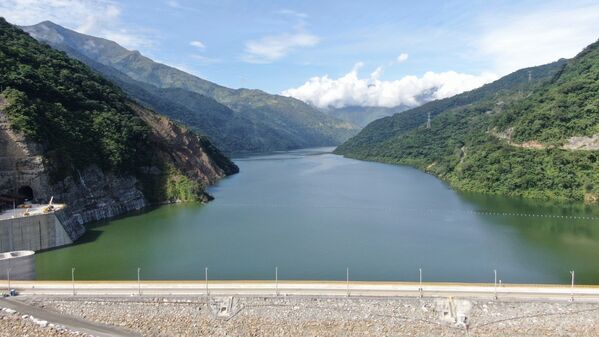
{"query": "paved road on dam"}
(72, 323)
(303, 288)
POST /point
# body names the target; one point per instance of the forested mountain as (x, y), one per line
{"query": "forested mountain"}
(238, 120)
(532, 133)
(385, 128)
(77, 120)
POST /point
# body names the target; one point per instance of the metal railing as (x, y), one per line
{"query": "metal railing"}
(277, 287)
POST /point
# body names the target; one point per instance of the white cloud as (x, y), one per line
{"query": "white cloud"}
(273, 47)
(350, 90)
(532, 38)
(402, 57)
(94, 17)
(205, 60)
(197, 44)
(174, 4)
(291, 12)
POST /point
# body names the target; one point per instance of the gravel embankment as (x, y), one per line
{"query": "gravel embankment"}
(309, 316)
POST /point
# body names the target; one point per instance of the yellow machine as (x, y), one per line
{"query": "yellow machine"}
(50, 206)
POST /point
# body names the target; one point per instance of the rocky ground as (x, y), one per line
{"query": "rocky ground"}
(308, 316)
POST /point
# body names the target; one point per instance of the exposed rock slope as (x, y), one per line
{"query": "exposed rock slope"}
(68, 133)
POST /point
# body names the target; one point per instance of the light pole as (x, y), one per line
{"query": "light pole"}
(277, 281)
(420, 288)
(73, 279)
(139, 281)
(572, 292)
(206, 275)
(495, 272)
(8, 278)
(347, 279)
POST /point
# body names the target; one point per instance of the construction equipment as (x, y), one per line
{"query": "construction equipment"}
(50, 207)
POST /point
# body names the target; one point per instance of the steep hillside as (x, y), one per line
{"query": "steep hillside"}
(512, 137)
(258, 121)
(568, 106)
(88, 145)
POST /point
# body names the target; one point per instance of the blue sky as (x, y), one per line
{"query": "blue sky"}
(280, 45)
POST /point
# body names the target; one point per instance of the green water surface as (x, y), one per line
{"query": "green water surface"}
(312, 214)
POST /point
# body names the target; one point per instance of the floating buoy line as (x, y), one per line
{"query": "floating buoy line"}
(420, 210)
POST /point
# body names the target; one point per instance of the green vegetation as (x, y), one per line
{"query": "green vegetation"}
(568, 106)
(475, 142)
(239, 120)
(181, 188)
(78, 117)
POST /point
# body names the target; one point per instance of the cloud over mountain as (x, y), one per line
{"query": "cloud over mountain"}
(351, 90)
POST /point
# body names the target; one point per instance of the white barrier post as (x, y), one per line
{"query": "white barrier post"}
(138, 281)
(276, 281)
(73, 279)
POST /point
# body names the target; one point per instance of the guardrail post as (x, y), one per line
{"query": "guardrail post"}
(276, 281)
(420, 288)
(139, 281)
(572, 289)
(73, 279)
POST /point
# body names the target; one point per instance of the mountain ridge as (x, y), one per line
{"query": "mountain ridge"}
(265, 122)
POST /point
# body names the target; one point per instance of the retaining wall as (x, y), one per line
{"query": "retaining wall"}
(34, 232)
(21, 265)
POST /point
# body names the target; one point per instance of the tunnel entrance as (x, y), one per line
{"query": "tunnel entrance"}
(26, 192)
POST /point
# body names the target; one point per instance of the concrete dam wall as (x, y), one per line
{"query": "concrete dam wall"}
(90, 194)
(33, 232)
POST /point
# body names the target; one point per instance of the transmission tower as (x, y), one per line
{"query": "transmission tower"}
(428, 121)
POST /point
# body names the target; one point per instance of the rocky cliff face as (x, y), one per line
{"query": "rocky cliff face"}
(92, 194)
(192, 154)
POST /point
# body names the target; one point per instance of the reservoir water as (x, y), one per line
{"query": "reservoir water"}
(314, 214)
